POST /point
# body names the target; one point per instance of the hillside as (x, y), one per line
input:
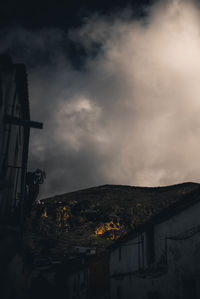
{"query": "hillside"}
(96, 216)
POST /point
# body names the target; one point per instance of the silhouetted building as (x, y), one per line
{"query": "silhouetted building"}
(161, 258)
(158, 257)
(15, 127)
(85, 276)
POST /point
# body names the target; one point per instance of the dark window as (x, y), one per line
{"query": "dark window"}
(85, 276)
(75, 287)
(150, 245)
(20, 130)
(119, 292)
(189, 289)
(16, 152)
(153, 295)
(1, 96)
(120, 253)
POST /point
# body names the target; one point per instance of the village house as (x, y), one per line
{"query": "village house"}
(14, 138)
(15, 127)
(161, 258)
(86, 276)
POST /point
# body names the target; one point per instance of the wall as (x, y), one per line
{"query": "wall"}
(12, 147)
(88, 278)
(175, 272)
(77, 284)
(129, 261)
(11, 143)
(99, 277)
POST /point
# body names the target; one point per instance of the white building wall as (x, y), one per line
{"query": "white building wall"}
(129, 261)
(179, 237)
(176, 226)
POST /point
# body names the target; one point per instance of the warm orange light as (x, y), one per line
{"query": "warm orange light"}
(45, 213)
(107, 227)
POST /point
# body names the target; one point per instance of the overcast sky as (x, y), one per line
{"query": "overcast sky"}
(119, 96)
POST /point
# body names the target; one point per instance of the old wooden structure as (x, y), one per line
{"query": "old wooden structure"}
(15, 127)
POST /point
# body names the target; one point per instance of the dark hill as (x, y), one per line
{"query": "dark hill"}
(97, 216)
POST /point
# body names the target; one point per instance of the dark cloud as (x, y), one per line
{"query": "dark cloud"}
(130, 113)
(65, 14)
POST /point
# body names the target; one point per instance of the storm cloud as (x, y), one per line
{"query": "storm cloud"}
(130, 114)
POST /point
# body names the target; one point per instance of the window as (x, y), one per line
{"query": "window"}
(16, 152)
(120, 253)
(1, 96)
(150, 245)
(153, 295)
(189, 289)
(119, 292)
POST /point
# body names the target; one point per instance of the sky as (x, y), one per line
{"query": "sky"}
(117, 89)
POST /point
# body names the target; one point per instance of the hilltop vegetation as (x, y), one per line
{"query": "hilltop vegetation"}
(97, 216)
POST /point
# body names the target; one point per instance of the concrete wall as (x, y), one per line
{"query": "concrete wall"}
(175, 272)
(129, 261)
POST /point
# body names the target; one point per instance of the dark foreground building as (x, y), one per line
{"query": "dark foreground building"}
(161, 258)
(15, 127)
(157, 258)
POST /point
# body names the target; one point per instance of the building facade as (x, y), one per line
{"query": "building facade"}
(162, 258)
(15, 127)
(14, 138)
(86, 276)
